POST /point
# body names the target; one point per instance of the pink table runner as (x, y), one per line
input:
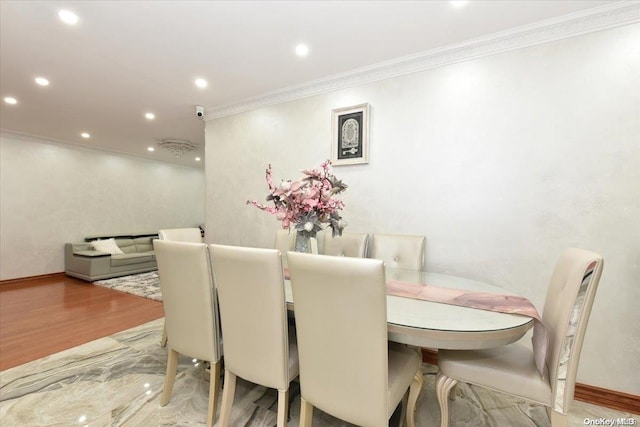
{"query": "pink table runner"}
(480, 300)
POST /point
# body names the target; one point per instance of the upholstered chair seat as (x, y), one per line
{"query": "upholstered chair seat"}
(403, 368)
(511, 369)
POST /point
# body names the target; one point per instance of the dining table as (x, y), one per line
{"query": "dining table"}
(439, 325)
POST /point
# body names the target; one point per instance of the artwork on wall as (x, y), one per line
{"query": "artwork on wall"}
(350, 135)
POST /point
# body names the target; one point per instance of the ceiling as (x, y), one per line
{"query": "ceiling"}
(126, 58)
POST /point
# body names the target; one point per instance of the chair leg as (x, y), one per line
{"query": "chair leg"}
(283, 407)
(170, 376)
(214, 390)
(557, 419)
(164, 339)
(403, 413)
(306, 413)
(414, 392)
(444, 384)
(228, 392)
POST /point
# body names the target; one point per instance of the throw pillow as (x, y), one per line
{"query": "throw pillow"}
(108, 245)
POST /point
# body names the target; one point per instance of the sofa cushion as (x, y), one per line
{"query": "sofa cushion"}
(128, 246)
(143, 244)
(108, 245)
(90, 253)
(131, 258)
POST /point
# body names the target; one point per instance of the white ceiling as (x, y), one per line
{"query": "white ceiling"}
(125, 58)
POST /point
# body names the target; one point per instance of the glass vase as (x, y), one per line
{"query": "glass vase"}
(306, 242)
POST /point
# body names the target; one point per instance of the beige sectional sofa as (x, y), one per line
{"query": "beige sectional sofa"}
(84, 262)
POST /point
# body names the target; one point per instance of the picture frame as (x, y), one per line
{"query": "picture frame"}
(350, 135)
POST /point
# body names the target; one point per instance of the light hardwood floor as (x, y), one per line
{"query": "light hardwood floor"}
(42, 316)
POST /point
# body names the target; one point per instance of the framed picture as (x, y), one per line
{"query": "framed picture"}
(350, 135)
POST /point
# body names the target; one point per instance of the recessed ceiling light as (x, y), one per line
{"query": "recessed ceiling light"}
(151, 149)
(459, 3)
(150, 116)
(10, 100)
(302, 50)
(42, 81)
(197, 159)
(68, 17)
(201, 83)
(85, 135)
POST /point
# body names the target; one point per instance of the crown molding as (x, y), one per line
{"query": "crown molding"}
(588, 21)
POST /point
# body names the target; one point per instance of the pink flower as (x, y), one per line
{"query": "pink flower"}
(310, 198)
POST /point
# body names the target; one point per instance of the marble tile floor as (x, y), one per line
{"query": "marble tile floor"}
(117, 381)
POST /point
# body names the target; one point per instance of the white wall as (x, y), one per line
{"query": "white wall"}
(51, 194)
(501, 162)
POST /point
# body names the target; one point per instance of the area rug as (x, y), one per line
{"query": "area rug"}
(145, 285)
(117, 381)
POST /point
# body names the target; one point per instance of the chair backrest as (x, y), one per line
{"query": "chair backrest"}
(567, 308)
(341, 325)
(192, 235)
(253, 313)
(349, 244)
(285, 242)
(398, 250)
(189, 298)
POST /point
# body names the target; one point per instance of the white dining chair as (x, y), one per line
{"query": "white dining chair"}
(285, 242)
(192, 235)
(190, 309)
(511, 369)
(349, 244)
(258, 345)
(401, 251)
(347, 367)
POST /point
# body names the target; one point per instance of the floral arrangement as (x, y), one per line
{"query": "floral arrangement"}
(309, 203)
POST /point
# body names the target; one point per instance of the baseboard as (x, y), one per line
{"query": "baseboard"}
(586, 393)
(430, 356)
(610, 398)
(49, 276)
